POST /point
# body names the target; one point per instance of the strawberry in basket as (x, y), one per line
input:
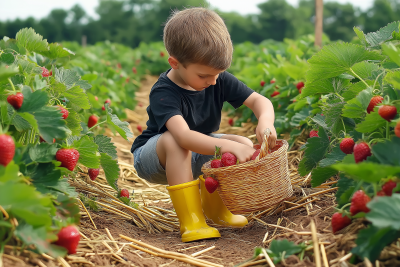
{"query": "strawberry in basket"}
(228, 159)
(216, 162)
(211, 184)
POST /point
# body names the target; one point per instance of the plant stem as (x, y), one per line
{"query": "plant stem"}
(355, 74)
(387, 130)
(11, 83)
(97, 124)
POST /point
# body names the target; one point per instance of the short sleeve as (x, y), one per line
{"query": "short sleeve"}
(164, 104)
(235, 91)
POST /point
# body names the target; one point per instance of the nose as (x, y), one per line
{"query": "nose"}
(212, 80)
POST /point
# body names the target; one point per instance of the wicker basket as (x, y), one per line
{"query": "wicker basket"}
(257, 184)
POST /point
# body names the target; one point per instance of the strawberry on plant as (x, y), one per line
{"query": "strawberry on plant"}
(124, 193)
(339, 222)
(103, 108)
(51, 73)
(228, 159)
(262, 83)
(68, 237)
(68, 157)
(139, 128)
(272, 81)
(314, 133)
(375, 100)
(347, 145)
(134, 70)
(255, 154)
(108, 101)
(119, 65)
(230, 121)
(361, 152)
(93, 173)
(92, 121)
(381, 193)
(16, 100)
(45, 72)
(161, 54)
(96, 98)
(275, 93)
(7, 149)
(359, 203)
(397, 129)
(211, 184)
(388, 187)
(387, 112)
(299, 85)
(64, 112)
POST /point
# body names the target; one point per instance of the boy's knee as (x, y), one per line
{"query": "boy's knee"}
(168, 142)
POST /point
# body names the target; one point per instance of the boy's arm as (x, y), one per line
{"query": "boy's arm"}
(264, 111)
(204, 144)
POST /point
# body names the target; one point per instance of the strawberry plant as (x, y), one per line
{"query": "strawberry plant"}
(44, 141)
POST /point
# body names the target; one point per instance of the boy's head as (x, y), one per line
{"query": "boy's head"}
(198, 36)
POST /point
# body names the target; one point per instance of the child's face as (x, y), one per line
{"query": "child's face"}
(198, 76)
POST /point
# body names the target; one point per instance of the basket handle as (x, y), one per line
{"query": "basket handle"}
(264, 146)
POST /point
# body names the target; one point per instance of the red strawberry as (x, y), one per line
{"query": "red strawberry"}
(93, 173)
(16, 100)
(359, 203)
(64, 112)
(255, 154)
(119, 65)
(361, 152)
(103, 108)
(134, 70)
(216, 163)
(96, 98)
(45, 72)
(397, 129)
(347, 145)
(375, 100)
(211, 184)
(161, 54)
(139, 128)
(228, 159)
(124, 193)
(257, 146)
(108, 101)
(262, 83)
(388, 187)
(299, 85)
(230, 121)
(68, 237)
(68, 157)
(92, 121)
(51, 73)
(7, 149)
(339, 222)
(314, 133)
(381, 193)
(272, 81)
(387, 112)
(275, 93)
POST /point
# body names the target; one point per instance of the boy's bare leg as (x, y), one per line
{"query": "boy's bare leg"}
(176, 160)
(238, 138)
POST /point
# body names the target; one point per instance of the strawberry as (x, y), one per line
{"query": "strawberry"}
(64, 112)
(230, 121)
(45, 72)
(124, 193)
(68, 237)
(347, 145)
(211, 184)
(68, 157)
(388, 187)
(397, 129)
(262, 83)
(93, 173)
(299, 85)
(16, 100)
(339, 222)
(7, 149)
(108, 101)
(216, 163)
(314, 133)
(361, 152)
(103, 108)
(275, 93)
(139, 128)
(387, 112)
(92, 121)
(96, 98)
(375, 100)
(359, 203)
(228, 159)
(161, 54)
(255, 154)
(51, 73)
(134, 70)
(257, 146)
(381, 193)
(272, 81)
(119, 65)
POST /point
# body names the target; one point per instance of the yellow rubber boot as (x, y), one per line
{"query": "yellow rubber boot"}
(215, 209)
(186, 200)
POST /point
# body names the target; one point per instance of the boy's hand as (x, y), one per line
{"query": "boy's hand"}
(242, 152)
(261, 127)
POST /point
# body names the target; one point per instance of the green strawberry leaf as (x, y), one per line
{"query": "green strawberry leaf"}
(372, 240)
(367, 171)
(334, 156)
(282, 249)
(51, 124)
(392, 51)
(360, 35)
(31, 41)
(316, 148)
(21, 124)
(6, 73)
(383, 34)
(9, 173)
(28, 67)
(333, 119)
(372, 122)
(116, 125)
(77, 97)
(27, 118)
(354, 109)
(106, 146)
(43, 173)
(7, 58)
(320, 174)
(68, 207)
(345, 190)
(320, 120)
(111, 169)
(365, 69)
(33, 101)
(125, 200)
(354, 89)
(388, 152)
(39, 83)
(73, 122)
(392, 78)
(56, 187)
(385, 212)
(87, 152)
(56, 51)
(324, 86)
(66, 76)
(83, 84)
(43, 152)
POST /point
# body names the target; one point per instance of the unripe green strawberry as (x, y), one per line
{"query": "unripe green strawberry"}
(68, 237)
(7, 149)
(361, 152)
(339, 222)
(68, 157)
(359, 203)
(347, 145)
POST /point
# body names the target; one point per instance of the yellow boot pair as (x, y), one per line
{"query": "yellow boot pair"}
(189, 208)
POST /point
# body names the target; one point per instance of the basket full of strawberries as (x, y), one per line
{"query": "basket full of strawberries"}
(254, 185)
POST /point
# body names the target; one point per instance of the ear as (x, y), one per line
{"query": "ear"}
(173, 62)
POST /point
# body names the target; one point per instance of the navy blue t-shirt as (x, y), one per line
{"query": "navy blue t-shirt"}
(200, 109)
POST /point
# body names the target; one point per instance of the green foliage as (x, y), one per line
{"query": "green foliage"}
(385, 212)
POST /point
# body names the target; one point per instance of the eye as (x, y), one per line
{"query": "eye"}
(202, 77)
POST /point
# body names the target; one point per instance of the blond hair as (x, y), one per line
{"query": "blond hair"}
(198, 36)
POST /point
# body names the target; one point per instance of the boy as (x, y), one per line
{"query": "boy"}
(184, 111)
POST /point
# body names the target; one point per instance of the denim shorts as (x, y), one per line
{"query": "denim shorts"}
(148, 166)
